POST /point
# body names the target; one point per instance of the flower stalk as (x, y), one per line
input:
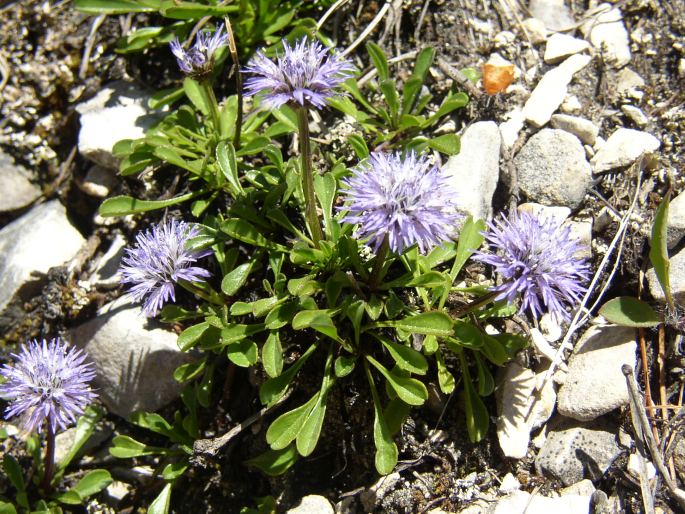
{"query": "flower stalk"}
(233, 50)
(213, 105)
(49, 465)
(381, 255)
(308, 177)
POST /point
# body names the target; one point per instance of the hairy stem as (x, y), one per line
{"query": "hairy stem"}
(213, 105)
(49, 466)
(308, 177)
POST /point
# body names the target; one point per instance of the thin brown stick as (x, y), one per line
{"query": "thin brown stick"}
(649, 404)
(661, 363)
(233, 49)
(459, 78)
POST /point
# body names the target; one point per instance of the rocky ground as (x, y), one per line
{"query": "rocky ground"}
(589, 132)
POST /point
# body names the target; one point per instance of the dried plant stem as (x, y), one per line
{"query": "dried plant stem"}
(661, 362)
(49, 457)
(649, 404)
(368, 29)
(233, 49)
(308, 177)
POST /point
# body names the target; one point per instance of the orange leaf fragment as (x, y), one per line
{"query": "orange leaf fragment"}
(497, 77)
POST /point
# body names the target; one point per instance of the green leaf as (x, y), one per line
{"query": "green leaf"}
(358, 145)
(477, 419)
(629, 312)
(243, 353)
(658, 253)
(191, 10)
(494, 350)
(309, 434)
(379, 60)
(94, 482)
(124, 205)
(197, 95)
(319, 320)
(285, 427)
(125, 447)
(272, 355)
(470, 239)
(116, 6)
(467, 335)
(409, 389)
(8, 508)
(445, 378)
(325, 187)
(165, 97)
(202, 334)
(406, 358)
(235, 332)
(174, 470)
(275, 462)
(389, 90)
(412, 87)
(448, 144)
(435, 323)
(189, 371)
(161, 504)
(273, 389)
(386, 449)
(246, 232)
(84, 429)
(234, 280)
(225, 156)
(429, 280)
(13, 472)
(344, 365)
(486, 383)
(451, 103)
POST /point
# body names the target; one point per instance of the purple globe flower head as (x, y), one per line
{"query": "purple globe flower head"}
(48, 381)
(306, 74)
(158, 260)
(198, 60)
(537, 259)
(403, 197)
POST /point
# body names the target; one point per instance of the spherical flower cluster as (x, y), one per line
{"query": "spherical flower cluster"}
(158, 260)
(538, 260)
(198, 60)
(306, 74)
(402, 197)
(48, 381)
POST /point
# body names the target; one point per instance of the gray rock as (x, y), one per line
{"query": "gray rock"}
(560, 46)
(635, 115)
(676, 276)
(551, 90)
(583, 129)
(582, 231)
(583, 488)
(552, 169)
(623, 148)
(545, 212)
(35, 242)
(573, 451)
(312, 504)
(554, 13)
(119, 111)
(536, 30)
(99, 182)
(608, 34)
(587, 393)
(117, 491)
(516, 387)
(378, 491)
(15, 179)
(521, 502)
(134, 362)
(474, 171)
(628, 84)
(676, 221)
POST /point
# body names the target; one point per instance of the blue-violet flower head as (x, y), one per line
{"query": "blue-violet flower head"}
(403, 197)
(538, 260)
(306, 74)
(48, 381)
(158, 260)
(198, 60)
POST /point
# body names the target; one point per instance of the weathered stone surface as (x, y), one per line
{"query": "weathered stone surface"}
(536, 30)
(35, 242)
(583, 129)
(554, 13)
(552, 169)
(676, 221)
(521, 502)
(551, 90)
(371, 498)
(99, 182)
(15, 179)
(107, 271)
(134, 361)
(312, 504)
(560, 46)
(474, 171)
(65, 440)
(608, 34)
(623, 148)
(588, 392)
(574, 451)
(635, 115)
(516, 387)
(119, 111)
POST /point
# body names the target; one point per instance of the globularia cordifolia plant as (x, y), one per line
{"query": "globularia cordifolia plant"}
(347, 271)
(48, 388)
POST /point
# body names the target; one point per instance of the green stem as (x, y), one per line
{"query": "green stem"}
(233, 49)
(49, 466)
(376, 276)
(308, 177)
(210, 295)
(479, 302)
(213, 106)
